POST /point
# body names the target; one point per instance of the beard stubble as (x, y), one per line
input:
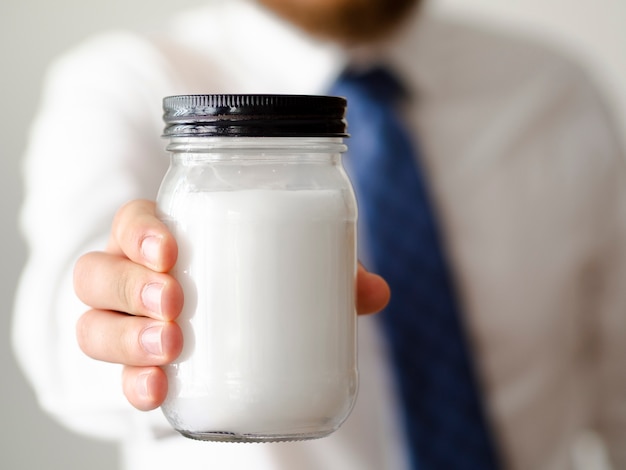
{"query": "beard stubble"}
(347, 21)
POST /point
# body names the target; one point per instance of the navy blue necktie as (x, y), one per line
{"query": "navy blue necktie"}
(445, 422)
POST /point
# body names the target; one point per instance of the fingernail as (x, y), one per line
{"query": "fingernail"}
(142, 385)
(150, 247)
(151, 297)
(151, 340)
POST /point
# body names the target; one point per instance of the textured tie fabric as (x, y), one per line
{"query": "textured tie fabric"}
(444, 419)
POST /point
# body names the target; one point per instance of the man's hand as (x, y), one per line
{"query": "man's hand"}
(134, 302)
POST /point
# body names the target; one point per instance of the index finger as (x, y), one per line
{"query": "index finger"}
(138, 234)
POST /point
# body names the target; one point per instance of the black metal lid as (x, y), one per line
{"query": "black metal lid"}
(254, 116)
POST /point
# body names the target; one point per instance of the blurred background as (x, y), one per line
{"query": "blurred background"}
(33, 32)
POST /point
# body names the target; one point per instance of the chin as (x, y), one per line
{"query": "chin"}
(349, 21)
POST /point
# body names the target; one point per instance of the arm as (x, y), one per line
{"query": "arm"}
(93, 146)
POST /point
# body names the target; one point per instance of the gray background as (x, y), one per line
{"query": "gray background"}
(32, 32)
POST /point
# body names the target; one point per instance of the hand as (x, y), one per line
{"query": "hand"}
(134, 302)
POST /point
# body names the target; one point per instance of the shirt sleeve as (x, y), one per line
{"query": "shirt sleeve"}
(95, 144)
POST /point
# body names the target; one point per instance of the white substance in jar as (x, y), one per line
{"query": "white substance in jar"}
(269, 315)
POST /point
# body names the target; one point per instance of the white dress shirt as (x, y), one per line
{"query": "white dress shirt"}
(526, 173)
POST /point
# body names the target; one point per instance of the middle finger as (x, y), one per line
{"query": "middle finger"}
(111, 282)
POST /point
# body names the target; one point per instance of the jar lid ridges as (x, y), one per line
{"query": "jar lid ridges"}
(254, 115)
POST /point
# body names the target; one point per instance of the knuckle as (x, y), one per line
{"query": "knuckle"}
(83, 333)
(81, 274)
(127, 292)
(118, 224)
(132, 224)
(129, 347)
(123, 228)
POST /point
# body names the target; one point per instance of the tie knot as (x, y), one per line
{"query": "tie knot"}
(378, 83)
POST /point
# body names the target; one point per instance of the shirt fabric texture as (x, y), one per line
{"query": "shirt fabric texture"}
(525, 170)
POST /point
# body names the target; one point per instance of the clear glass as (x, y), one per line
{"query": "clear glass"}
(267, 260)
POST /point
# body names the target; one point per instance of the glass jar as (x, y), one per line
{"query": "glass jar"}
(264, 217)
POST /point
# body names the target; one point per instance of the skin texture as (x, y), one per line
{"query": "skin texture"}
(134, 302)
(346, 21)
